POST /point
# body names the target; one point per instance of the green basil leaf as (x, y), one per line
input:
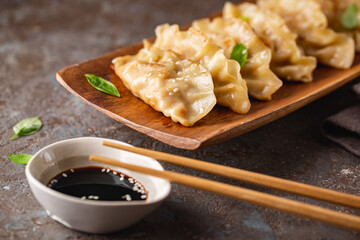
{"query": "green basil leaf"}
(239, 53)
(102, 85)
(27, 127)
(349, 18)
(20, 158)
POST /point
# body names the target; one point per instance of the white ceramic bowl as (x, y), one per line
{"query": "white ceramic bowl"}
(87, 215)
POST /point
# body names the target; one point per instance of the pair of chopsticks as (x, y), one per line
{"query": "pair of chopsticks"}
(251, 196)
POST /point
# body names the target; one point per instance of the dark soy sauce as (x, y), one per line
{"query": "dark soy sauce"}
(97, 183)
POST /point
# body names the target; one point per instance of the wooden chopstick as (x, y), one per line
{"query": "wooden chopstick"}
(251, 196)
(247, 176)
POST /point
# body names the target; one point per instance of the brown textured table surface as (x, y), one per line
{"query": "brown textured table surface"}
(37, 38)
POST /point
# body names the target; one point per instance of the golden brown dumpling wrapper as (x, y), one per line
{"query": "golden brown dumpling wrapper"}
(334, 10)
(226, 33)
(229, 87)
(306, 18)
(287, 60)
(177, 87)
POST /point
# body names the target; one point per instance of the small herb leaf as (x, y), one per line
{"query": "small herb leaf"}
(239, 53)
(20, 158)
(244, 18)
(102, 85)
(349, 18)
(27, 127)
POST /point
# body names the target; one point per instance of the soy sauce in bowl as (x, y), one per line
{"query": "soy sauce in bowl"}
(97, 183)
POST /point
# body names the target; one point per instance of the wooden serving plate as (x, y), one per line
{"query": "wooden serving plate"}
(219, 125)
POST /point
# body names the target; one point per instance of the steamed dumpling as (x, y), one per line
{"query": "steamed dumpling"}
(180, 88)
(226, 33)
(229, 87)
(306, 18)
(287, 60)
(334, 10)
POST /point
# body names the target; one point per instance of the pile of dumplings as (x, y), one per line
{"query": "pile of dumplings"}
(183, 74)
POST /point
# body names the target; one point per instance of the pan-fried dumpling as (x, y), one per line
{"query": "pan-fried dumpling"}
(229, 87)
(306, 18)
(226, 33)
(287, 60)
(178, 87)
(334, 10)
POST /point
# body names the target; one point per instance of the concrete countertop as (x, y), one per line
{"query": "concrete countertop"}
(37, 38)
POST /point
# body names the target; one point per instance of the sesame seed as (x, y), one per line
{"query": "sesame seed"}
(121, 178)
(72, 170)
(171, 93)
(107, 170)
(176, 89)
(96, 197)
(115, 173)
(64, 175)
(143, 196)
(83, 198)
(263, 55)
(103, 170)
(90, 197)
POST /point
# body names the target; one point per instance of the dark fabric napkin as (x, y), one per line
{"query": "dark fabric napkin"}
(344, 127)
